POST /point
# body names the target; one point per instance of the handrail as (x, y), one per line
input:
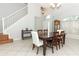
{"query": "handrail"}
(15, 12)
(12, 18)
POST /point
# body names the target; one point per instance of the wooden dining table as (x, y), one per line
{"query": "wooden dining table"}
(45, 39)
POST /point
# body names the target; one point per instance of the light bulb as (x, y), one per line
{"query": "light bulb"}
(48, 17)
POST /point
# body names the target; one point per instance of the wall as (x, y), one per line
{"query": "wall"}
(66, 10)
(71, 27)
(26, 22)
(34, 10)
(38, 23)
(8, 8)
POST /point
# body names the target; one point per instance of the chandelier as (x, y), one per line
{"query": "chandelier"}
(55, 5)
(47, 6)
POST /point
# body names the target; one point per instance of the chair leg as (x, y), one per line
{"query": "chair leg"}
(56, 47)
(33, 46)
(37, 49)
(52, 50)
(62, 44)
(59, 44)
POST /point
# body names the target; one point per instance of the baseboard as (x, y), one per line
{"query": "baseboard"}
(17, 39)
(72, 36)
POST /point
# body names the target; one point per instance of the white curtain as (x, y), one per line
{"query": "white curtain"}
(70, 27)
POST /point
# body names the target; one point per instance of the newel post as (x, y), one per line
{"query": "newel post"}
(3, 23)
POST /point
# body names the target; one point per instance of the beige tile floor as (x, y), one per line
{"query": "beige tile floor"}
(24, 48)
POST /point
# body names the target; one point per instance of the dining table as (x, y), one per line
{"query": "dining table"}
(45, 39)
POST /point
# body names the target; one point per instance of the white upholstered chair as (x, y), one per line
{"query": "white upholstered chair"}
(60, 30)
(36, 41)
(62, 36)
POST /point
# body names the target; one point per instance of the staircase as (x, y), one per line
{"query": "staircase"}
(8, 21)
(4, 38)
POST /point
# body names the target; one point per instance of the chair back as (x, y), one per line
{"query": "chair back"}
(39, 32)
(59, 31)
(55, 34)
(35, 37)
(42, 32)
(63, 34)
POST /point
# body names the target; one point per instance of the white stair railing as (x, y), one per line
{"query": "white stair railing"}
(14, 17)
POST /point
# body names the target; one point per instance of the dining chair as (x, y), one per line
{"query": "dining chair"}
(45, 31)
(36, 42)
(56, 40)
(61, 33)
(63, 37)
(42, 32)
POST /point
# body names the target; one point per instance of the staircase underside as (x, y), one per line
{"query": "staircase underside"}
(4, 38)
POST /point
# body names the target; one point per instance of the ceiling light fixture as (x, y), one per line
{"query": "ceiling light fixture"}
(47, 6)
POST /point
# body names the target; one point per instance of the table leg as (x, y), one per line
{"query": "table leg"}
(64, 39)
(22, 34)
(44, 47)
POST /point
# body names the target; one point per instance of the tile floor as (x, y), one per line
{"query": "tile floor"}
(24, 48)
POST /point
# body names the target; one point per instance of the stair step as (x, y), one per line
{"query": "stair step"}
(6, 41)
(4, 37)
(1, 33)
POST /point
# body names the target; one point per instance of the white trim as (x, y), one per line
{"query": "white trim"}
(3, 23)
(14, 39)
